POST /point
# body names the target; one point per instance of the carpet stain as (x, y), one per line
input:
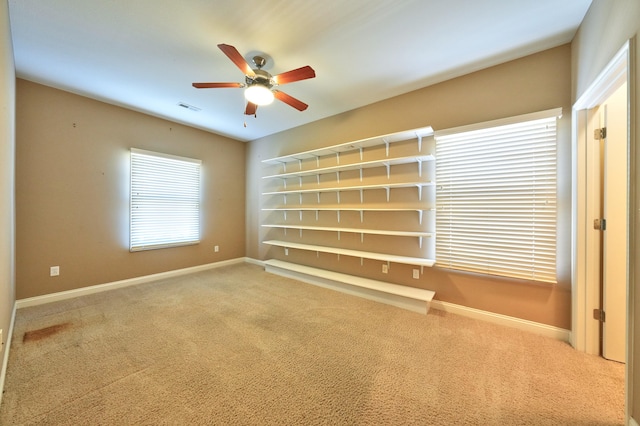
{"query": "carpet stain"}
(43, 333)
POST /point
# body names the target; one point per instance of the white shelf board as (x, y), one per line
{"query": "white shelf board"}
(354, 253)
(353, 230)
(353, 145)
(351, 188)
(347, 209)
(354, 166)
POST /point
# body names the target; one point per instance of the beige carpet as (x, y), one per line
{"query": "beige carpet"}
(236, 345)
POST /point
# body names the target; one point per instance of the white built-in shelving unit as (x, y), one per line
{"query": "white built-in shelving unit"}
(358, 177)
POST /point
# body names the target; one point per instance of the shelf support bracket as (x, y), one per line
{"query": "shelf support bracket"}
(361, 196)
(318, 179)
(362, 237)
(386, 144)
(388, 190)
(361, 262)
(338, 235)
(419, 187)
(285, 215)
(361, 216)
(338, 195)
(300, 181)
(420, 168)
(316, 215)
(420, 213)
(421, 269)
(420, 239)
(300, 232)
(318, 194)
(300, 165)
(300, 194)
(338, 212)
(300, 215)
(360, 174)
(338, 177)
(360, 153)
(284, 198)
(419, 143)
(317, 161)
(388, 171)
(284, 183)
(337, 158)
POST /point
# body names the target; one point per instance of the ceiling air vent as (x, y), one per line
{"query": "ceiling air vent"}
(189, 107)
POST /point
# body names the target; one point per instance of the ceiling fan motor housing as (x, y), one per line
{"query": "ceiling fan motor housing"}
(262, 77)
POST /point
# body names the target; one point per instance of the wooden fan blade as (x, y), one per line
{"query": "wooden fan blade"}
(215, 85)
(295, 75)
(235, 56)
(251, 109)
(290, 100)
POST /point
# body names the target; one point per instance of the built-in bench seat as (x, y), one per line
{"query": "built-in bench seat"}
(411, 298)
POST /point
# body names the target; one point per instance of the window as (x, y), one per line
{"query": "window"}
(496, 197)
(165, 201)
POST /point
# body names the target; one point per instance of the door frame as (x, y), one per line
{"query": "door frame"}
(585, 332)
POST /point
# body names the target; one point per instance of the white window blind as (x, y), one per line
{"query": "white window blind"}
(165, 200)
(496, 197)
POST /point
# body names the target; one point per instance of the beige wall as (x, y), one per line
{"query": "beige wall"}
(534, 83)
(7, 181)
(72, 191)
(606, 27)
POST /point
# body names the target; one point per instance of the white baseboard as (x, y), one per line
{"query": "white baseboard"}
(521, 324)
(63, 295)
(254, 261)
(5, 360)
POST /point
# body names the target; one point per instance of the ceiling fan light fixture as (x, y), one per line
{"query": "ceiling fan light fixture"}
(259, 94)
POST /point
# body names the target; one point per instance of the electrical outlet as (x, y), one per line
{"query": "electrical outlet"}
(216, 248)
(385, 269)
(286, 251)
(54, 271)
(416, 274)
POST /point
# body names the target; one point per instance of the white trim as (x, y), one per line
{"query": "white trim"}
(5, 361)
(63, 295)
(254, 261)
(521, 324)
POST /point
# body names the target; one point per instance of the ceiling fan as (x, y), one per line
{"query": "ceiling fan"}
(260, 85)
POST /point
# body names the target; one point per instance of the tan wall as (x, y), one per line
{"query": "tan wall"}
(72, 191)
(534, 83)
(605, 28)
(7, 180)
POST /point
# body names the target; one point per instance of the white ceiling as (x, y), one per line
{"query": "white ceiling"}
(144, 54)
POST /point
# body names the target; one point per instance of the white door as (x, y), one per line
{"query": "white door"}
(614, 238)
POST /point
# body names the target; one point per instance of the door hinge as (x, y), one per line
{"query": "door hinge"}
(600, 224)
(599, 134)
(598, 314)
